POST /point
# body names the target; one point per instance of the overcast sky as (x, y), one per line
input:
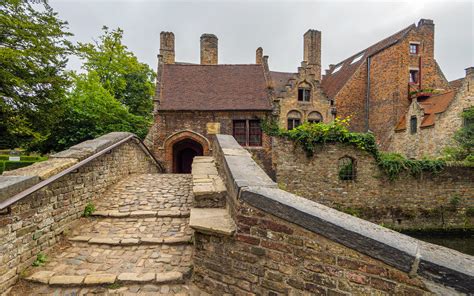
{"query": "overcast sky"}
(242, 26)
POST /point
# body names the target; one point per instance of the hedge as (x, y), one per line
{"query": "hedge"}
(2, 167)
(12, 165)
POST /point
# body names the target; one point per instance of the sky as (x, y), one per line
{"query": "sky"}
(277, 26)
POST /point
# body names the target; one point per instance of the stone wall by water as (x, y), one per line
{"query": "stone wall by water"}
(428, 201)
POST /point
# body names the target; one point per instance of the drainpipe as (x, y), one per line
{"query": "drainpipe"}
(419, 73)
(367, 97)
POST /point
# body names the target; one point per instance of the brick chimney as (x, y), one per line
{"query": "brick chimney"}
(208, 49)
(259, 56)
(167, 47)
(312, 51)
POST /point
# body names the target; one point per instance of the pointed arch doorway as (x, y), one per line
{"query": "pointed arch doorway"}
(184, 152)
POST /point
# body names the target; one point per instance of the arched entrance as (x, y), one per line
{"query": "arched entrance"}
(184, 152)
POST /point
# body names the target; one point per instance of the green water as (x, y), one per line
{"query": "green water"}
(459, 241)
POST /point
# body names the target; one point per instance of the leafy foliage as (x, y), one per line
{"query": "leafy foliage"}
(91, 111)
(120, 72)
(89, 209)
(464, 149)
(33, 56)
(309, 135)
(40, 260)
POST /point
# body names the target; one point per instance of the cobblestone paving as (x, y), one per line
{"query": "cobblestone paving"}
(83, 259)
(139, 268)
(134, 228)
(162, 192)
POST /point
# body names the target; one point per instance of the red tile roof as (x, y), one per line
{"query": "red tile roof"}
(435, 104)
(332, 83)
(214, 87)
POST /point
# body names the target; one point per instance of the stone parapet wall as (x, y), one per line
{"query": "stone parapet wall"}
(285, 244)
(410, 202)
(35, 223)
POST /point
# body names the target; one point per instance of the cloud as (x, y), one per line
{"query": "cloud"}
(277, 26)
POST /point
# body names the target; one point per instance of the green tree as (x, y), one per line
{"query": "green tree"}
(33, 56)
(128, 80)
(464, 138)
(91, 111)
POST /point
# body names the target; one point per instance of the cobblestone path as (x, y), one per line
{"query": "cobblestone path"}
(138, 243)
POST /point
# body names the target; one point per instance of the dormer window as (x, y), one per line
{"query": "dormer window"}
(304, 92)
(414, 48)
(414, 76)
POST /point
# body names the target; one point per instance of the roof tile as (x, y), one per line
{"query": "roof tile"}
(214, 87)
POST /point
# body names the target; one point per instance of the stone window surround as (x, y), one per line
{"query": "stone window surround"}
(410, 69)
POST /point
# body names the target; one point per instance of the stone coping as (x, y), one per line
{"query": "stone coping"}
(212, 220)
(432, 262)
(11, 183)
(49, 277)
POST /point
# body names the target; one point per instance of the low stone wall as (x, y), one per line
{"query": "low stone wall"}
(286, 244)
(429, 201)
(35, 223)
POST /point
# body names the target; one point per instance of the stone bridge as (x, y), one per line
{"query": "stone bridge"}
(102, 218)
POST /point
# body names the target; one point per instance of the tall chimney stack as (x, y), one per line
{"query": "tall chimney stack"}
(167, 47)
(208, 49)
(259, 56)
(312, 51)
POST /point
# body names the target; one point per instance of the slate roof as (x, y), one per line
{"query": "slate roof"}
(332, 83)
(213, 87)
(455, 84)
(280, 80)
(431, 106)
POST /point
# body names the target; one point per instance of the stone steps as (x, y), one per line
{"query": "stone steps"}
(133, 231)
(94, 279)
(116, 241)
(141, 214)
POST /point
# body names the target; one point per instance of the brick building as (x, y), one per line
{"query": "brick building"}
(374, 85)
(195, 101)
(432, 119)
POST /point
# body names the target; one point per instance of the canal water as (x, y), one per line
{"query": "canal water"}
(459, 241)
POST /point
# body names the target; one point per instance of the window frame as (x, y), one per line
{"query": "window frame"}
(413, 124)
(416, 46)
(313, 120)
(410, 76)
(247, 133)
(344, 161)
(304, 94)
(294, 118)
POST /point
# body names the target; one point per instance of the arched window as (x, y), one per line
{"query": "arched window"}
(315, 117)
(294, 119)
(304, 92)
(346, 168)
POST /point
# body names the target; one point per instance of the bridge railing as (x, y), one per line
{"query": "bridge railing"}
(39, 202)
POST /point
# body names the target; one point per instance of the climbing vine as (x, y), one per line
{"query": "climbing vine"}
(310, 135)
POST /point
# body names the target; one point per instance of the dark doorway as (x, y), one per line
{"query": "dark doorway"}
(183, 154)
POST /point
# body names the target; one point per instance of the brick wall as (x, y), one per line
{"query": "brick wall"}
(287, 245)
(168, 124)
(35, 223)
(389, 77)
(407, 202)
(269, 256)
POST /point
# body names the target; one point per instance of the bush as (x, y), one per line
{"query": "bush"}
(309, 135)
(2, 167)
(12, 165)
(4, 157)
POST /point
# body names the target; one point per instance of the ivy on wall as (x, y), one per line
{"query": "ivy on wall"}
(310, 135)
